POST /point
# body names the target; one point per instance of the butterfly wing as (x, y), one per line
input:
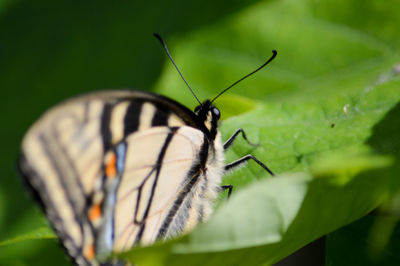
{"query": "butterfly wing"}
(114, 169)
(153, 187)
(61, 158)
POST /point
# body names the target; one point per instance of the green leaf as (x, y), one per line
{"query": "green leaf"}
(40, 233)
(274, 204)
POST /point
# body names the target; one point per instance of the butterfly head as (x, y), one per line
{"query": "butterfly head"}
(206, 112)
(209, 115)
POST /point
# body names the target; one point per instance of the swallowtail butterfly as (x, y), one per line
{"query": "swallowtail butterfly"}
(114, 169)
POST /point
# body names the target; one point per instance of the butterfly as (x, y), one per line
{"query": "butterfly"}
(115, 169)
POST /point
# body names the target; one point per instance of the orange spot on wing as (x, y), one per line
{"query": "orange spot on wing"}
(111, 166)
(94, 212)
(90, 253)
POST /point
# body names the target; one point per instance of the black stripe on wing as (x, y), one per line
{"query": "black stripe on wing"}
(105, 126)
(158, 166)
(138, 198)
(161, 116)
(53, 148)
(190, 180)
(131, 119)
(61, 178)
(41, 195)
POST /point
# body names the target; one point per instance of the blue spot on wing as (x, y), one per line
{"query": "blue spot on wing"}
(120, 151)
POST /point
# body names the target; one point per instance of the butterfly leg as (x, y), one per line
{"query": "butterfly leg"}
(227, 187)
(229, 142)
(243, 160)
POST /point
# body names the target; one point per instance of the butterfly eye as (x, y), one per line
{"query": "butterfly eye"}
(216, 112)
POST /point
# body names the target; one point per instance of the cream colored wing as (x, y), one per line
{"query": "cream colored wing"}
(94, 163)
(160, 185)
(61, 159)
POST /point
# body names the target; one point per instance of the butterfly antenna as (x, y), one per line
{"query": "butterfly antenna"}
(274, 53)
(173, 62)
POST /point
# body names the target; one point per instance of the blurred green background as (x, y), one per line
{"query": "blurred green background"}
(328, 52)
